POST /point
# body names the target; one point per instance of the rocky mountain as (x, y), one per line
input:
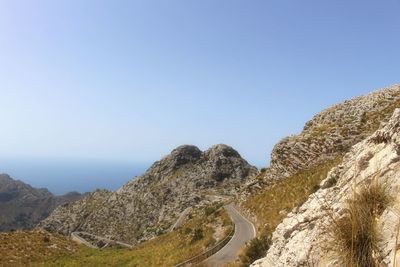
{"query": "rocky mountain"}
(332, 132)
(148, 205)
(300, 162)
(23, 206)
(359, 200)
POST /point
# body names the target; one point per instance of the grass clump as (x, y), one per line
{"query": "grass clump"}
(355, 234)
(210, 209)
(198, 235)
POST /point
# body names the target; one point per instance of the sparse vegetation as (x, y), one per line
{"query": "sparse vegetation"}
(44, 249)
(255, 250)
(314, 189)
(208, 210)
(355, 234)
(271, 204)
(21, 248)
(332, 180)
(268, 204)
(165, 250)
(198, 235)
(372, 119)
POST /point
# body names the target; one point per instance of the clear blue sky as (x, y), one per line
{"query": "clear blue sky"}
(131, 80)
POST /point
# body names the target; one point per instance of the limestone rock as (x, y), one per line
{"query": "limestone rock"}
(302, 240)
(150, 204)
(333, 132)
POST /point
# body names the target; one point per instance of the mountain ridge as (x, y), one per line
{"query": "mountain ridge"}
(305, 237)
(333, 131)
(148, 205)
(23, 206)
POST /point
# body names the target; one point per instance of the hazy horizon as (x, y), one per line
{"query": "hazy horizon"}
(63, 176)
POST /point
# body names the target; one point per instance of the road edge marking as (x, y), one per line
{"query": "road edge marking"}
(254, 228)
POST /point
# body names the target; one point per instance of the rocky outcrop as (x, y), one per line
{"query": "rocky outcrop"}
(23, 206)
(302, 238)
(332, 132)
(148, 205)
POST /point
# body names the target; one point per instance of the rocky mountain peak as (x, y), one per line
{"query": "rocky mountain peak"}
(151, 203)
(5, 177)
(222, 150)
(185, 154)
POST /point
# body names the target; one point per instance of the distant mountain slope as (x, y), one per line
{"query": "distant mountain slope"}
(149, 204)
(23, 206)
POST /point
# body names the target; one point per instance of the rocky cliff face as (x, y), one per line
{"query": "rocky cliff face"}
(149, 204)
(302, 239)
(332, 132)
(22, 206)
(300, 162)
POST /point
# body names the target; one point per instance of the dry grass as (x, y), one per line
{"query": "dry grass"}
(355, 234)
(24, 247)
(165, 250)
(372, 119)
(271, 204)
(44, 249)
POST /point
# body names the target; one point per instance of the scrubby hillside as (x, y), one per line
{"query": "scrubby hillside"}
(25, 248)
(202, 229)
(23, 206)
(300, 162)
(353, 220)
(332, 132)
(148, 205)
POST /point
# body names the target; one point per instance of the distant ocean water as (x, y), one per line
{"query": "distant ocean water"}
(62, 176)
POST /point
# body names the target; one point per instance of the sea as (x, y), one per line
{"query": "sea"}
(62, 176)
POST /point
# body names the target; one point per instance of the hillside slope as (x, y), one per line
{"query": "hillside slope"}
(148, 205)
(308, 236)
(200, 231)
(333, 132)
(23, 206)
(300, 162)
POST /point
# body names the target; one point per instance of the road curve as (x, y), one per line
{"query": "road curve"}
(244, 231)
(76, 237)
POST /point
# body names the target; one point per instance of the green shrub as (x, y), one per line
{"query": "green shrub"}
(197, 235)
(332, 180)
(187, 230)
(314, 189)
(209, 210)
(256, 249)
(212, 208)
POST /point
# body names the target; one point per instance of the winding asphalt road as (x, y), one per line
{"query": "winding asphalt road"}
(244, 231)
